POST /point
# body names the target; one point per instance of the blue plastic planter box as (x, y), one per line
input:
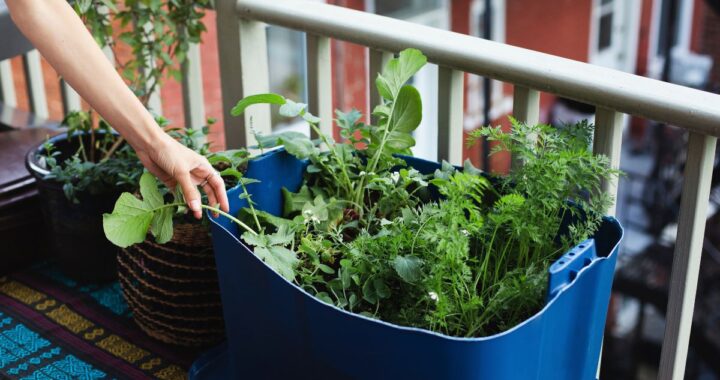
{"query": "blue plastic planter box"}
(276, 330)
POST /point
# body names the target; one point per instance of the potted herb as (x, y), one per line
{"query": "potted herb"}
(81, 172)
(349, 260)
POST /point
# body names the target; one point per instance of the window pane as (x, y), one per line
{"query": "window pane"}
(606, 2)
(605, 32)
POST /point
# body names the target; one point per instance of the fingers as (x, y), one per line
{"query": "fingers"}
(218, 186)
(211, 196)
(191, 193)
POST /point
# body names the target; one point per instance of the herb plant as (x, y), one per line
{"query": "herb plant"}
(459, 252)
(158, 34)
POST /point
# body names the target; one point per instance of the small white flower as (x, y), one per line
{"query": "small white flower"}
(395, 176)
(465, 232)
(362, 173)
(433, 296)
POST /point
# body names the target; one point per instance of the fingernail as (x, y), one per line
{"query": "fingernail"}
(195, 205)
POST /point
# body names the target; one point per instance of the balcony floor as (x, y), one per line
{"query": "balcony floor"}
(55, 327)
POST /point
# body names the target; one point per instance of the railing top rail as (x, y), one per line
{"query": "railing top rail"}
(682, 106)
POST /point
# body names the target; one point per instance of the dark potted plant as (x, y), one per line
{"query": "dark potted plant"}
(81, 172)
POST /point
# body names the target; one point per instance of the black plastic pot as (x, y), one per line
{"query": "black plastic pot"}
(76, 234)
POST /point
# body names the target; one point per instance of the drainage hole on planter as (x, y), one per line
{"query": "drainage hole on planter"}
(581, 246)
(571, 254)
(561, 262)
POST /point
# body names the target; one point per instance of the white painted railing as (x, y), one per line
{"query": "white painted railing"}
(244, 71)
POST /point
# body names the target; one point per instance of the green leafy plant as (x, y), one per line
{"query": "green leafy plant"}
(365, 233)
(158, 34)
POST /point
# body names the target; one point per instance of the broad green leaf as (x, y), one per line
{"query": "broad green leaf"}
(398, 71)
(230, 172)
(293, 202)
(149, 191)
(310, 118)
(292, 109)
(276, 139)
(383, 87)
(407, 111)
(399, 141)
(408, 268)
(280, 259)
(283, 236)
(316, 211)
(129, 222)
(247, 101)
(162, 225)
(301, 148)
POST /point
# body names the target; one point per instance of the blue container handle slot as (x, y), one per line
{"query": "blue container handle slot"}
(565, 269)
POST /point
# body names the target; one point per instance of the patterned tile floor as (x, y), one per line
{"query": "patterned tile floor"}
(52, 327)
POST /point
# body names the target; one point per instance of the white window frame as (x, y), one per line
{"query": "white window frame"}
(656, 60)
(626, 33)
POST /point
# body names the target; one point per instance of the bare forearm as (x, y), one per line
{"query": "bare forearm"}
(60, 36)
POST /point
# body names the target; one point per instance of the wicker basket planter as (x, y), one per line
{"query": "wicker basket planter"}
(172, 289)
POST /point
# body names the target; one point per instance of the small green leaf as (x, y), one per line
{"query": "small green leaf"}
(149, 191)
(247, 101)
(293, 202)
(301, 148)
(310, 118)
(280, 259)
(162, 225)
(292, 109)
(407, 112)
(408, 268)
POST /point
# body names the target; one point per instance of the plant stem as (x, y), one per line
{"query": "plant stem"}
(232, 218)
(250, 203)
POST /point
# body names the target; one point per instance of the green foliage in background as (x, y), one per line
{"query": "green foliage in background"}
(156, 32)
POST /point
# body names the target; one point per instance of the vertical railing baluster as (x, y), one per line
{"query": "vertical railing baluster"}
(228, 36)
(526, 105)
(70, 98)
(378, 59)
(35, 84)
(686, 258)
(526, 109)
(243, 49)
(192, 89)
(450, 114)
(7, 85)
(608, 141)
(319, 77)
(255, 75)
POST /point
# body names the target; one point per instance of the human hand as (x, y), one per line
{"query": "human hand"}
(174, 164)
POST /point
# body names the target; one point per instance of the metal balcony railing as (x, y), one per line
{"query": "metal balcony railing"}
(244, 71)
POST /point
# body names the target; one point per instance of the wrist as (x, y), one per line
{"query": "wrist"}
(148, 136)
